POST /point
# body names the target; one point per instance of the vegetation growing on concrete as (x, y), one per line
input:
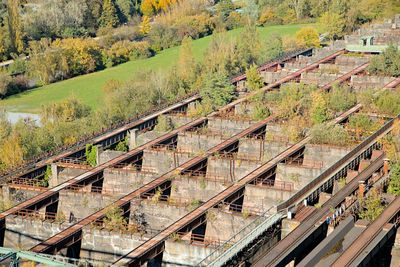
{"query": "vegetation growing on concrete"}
(386, 63)
(371, 206)
(114, 219)
(91, 155)
(332, 134)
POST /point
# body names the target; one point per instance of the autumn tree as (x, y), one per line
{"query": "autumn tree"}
(254, 81)
(371, 206)
(14, 26)
(11, 153)
(319, 108)
(145, 26)
(307, 37)
(149, 7)
(109, 17)
(188, 66)
(333, 24)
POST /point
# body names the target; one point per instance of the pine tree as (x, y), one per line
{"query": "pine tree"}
(254, 81)
(14, 26)
(109, 17)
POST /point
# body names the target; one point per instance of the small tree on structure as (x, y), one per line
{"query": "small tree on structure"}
(394, 184)
(109, 17)
(217, 90)
(371, 206)
(254, 81)
(91, 154)
(114, 218)
(319, 108)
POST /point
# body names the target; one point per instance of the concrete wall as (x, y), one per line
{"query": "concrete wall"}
(147, 137)
(271, 77)
(12, 196)
(262, 198)
(103, 245)
(80, 205)
(221, 225)
(328, 155)
(355, 61)
(60, 175)
(299, 176)
(163, 161)
(230, 169)
(189, 142)
(366, 82)
(342, 68)
(124, 182)
(180, 253)
(109, 155)
(228, 127)
(179, 121)
(24, 233)
(318, 78)
(195, 188)
(155, 216)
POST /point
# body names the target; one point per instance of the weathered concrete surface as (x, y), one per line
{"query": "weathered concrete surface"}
(108, 246)
(230, 169)
(299, 176)
(125, 181)
(271, 77)
(60, 175)
(354, 61)
(327, 154)
(108, 155)
(163, 161)
(365, 82)
(259, 149)
(262, 198)
(24, 233)
(180, 253)
(221, 225)
(190, 142)
(79, 205)
(178, 121)
(146, 137)
(196, 188)
(12, 196)
(155, 216)
(228, 127)
(318, 78)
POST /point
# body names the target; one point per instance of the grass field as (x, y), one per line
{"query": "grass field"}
(88, 87)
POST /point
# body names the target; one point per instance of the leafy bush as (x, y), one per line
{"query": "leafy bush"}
(91, 154)
(394, 184)
(364, 122)
(329, 134)
(341, 98)
(217, 90)
(388, 102)
(260, 112)
(386, 63)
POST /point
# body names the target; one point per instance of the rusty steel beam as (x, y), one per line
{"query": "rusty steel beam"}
(348, 256)
(393, 84)
(346, 77)
(48, 245)
(141, 254)
(97, 170)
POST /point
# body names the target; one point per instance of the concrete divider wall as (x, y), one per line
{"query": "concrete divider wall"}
(180, 253)
(155, 216)
(163, 161)
(370, 81)
(195, 188)
(108, 155)
(108, 246)
(124, 182)
(24, 233)
(196, 142)
(221, 225)
(341, 68)
(14, 196)
(263, 198)
(328, 155)
(232, 169)
(178, 121)
(80, 205)
(318, 78)
(299, 176)
(356, 61)
(271, 77)
(147, 137)
(60, 175)
(228, 127)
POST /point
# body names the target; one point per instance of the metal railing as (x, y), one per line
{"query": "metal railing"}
(247, 234)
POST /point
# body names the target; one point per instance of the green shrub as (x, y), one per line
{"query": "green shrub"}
(91, 155)
(329, 134)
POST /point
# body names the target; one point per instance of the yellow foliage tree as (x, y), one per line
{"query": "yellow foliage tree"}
(307, 37)
(11, 153)
(145, 26)
(149, 7)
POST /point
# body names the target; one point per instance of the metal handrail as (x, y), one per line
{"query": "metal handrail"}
(233, 250)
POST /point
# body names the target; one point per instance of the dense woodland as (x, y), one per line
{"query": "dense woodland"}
(69, 38)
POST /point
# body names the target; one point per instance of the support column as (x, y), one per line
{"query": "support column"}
(133, 134)
(100, 150)
(55, 170)
(361, 188)
(386, 166)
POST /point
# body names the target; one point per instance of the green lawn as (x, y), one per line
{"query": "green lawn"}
(88, 87)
